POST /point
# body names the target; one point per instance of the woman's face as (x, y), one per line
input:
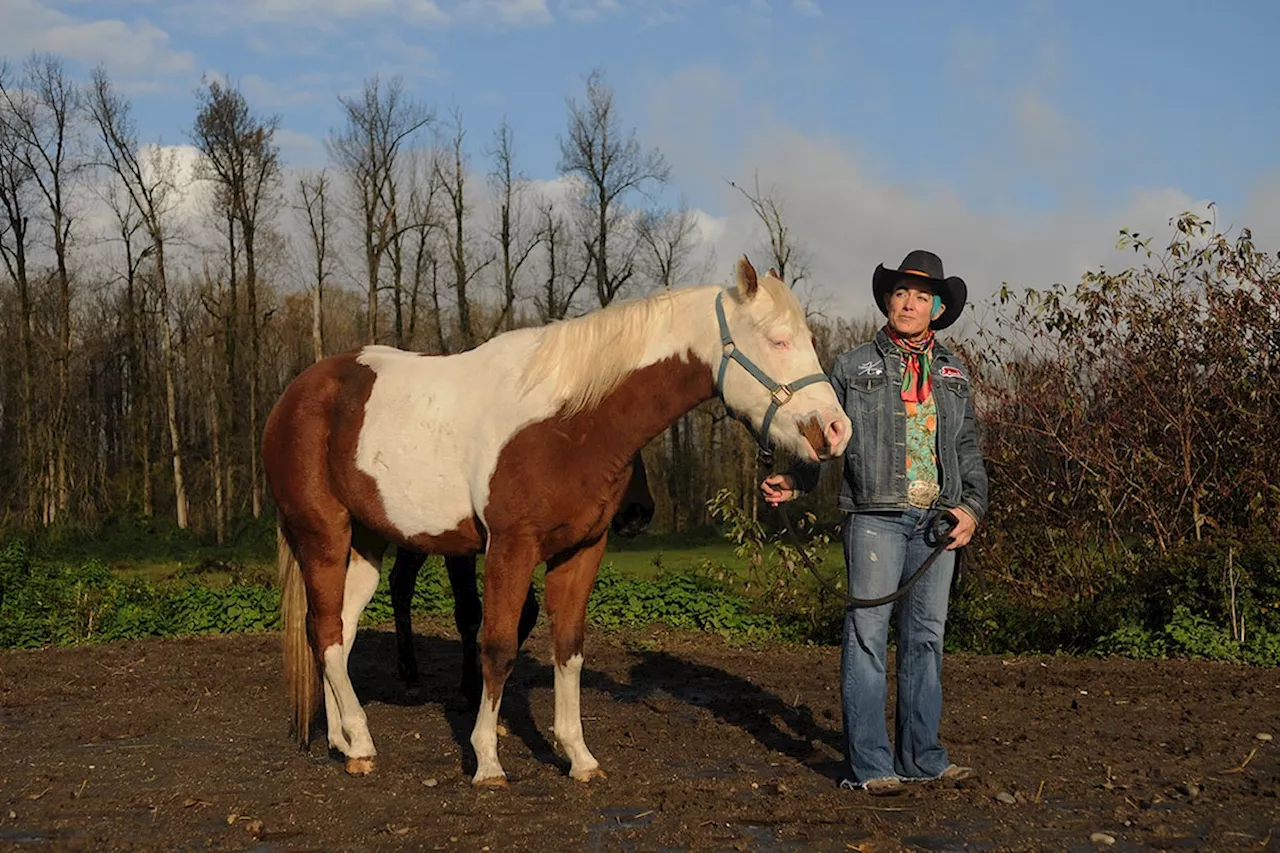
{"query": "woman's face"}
(910, 307)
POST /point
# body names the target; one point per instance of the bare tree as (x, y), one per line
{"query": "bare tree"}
(668, 239)
(44, 115)
(369, 150)
(424, 196)
(128, 223)
(315, 208)
(149, 181)
(610, 168)
(239, 153)
(787, 254)
(560, 283)
(515, 242)
(17, 198)
(451, 173)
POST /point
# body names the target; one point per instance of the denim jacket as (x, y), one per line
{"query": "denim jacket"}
(868, 382)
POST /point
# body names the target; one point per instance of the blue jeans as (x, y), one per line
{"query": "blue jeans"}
(881, 551)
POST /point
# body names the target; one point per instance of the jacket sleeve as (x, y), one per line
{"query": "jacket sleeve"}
(806, 473)
(973, 472)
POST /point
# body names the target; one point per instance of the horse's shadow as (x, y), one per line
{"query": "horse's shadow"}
(789, 729)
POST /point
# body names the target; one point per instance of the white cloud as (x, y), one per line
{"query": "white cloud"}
(850, 219)
(589, 10)
(127, 48)
(506, 13)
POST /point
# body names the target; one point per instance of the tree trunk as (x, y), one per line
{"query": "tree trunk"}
(215, 467)
(170, 391)
(255, 366)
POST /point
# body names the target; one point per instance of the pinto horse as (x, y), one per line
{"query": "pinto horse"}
(520, 448)
(632, 518)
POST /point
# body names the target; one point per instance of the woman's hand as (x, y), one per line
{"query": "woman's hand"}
(779, 488)
(965, 527)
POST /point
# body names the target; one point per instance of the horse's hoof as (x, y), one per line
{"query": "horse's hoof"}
(492, 783)
(359, 766)
(585, 776)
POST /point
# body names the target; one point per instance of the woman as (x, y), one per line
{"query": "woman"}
(914, 453)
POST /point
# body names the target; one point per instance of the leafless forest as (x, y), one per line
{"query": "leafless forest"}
(157, 299)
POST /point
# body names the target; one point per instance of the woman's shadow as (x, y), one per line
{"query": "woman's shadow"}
(739, 702)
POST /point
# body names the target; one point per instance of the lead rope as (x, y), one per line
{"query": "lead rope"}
(946, 517)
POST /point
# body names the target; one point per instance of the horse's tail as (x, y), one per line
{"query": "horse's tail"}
(301, 674)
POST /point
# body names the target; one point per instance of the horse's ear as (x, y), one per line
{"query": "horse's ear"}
(773, 273)
(747, 281)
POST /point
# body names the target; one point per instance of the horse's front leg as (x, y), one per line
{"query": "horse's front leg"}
(508, 572)
(570, 577)
(466, 616)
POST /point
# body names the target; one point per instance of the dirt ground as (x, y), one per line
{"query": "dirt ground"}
(181, 745)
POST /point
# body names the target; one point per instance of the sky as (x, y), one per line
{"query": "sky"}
(1012, 137)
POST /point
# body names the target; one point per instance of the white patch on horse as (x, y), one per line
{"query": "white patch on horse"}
(433, 429)
(568, 721)
(484, 740)
(347, 724)
(354, 722)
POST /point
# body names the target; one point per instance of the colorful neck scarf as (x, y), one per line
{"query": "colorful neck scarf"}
(917, 361)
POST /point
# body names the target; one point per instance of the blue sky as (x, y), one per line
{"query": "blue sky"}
(1015, 137)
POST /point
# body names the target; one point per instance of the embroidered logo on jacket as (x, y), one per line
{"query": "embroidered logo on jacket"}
(870, 368)
(948, 372)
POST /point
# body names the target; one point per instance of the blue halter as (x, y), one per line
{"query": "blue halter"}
(781, 393)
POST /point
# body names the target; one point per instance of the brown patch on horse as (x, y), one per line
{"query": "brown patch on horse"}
(814, 433)
(583, 464)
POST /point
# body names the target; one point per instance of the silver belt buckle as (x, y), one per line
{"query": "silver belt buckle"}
(922, 493)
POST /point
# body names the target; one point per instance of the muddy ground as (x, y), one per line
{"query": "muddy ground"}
(180, 745)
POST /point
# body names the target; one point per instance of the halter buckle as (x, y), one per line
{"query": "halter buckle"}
(728, 348)
(782, 395)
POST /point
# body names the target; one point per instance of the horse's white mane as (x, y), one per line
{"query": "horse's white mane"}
(588, 357)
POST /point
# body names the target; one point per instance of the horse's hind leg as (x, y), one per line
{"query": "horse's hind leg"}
(404, 576)
(508, 572)
(569, 580)
(340, 697)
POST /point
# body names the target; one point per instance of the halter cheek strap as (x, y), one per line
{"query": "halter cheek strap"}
(781, 393)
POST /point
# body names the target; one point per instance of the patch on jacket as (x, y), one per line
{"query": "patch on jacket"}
(948, 372)
(870, 368)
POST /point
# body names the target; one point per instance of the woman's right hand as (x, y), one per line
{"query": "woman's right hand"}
(779, 488)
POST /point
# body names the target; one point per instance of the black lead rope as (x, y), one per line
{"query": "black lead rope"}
(946, 517)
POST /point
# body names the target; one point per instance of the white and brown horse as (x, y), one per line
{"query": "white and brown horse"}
(520, 448)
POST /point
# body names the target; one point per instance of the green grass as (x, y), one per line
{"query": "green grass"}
(135, 549)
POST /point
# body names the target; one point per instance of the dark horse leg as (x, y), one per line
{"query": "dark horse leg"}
(466, 616)
(404, 577)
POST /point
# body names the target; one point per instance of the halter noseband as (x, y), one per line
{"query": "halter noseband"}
(781, 393)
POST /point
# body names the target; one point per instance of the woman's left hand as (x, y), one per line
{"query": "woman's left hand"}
(965, 527)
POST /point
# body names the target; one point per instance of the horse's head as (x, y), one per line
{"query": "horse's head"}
(768, 373)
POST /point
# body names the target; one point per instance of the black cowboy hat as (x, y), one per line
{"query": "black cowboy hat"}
(922, 266)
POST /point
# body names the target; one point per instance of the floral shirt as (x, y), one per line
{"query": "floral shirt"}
(922, 443)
